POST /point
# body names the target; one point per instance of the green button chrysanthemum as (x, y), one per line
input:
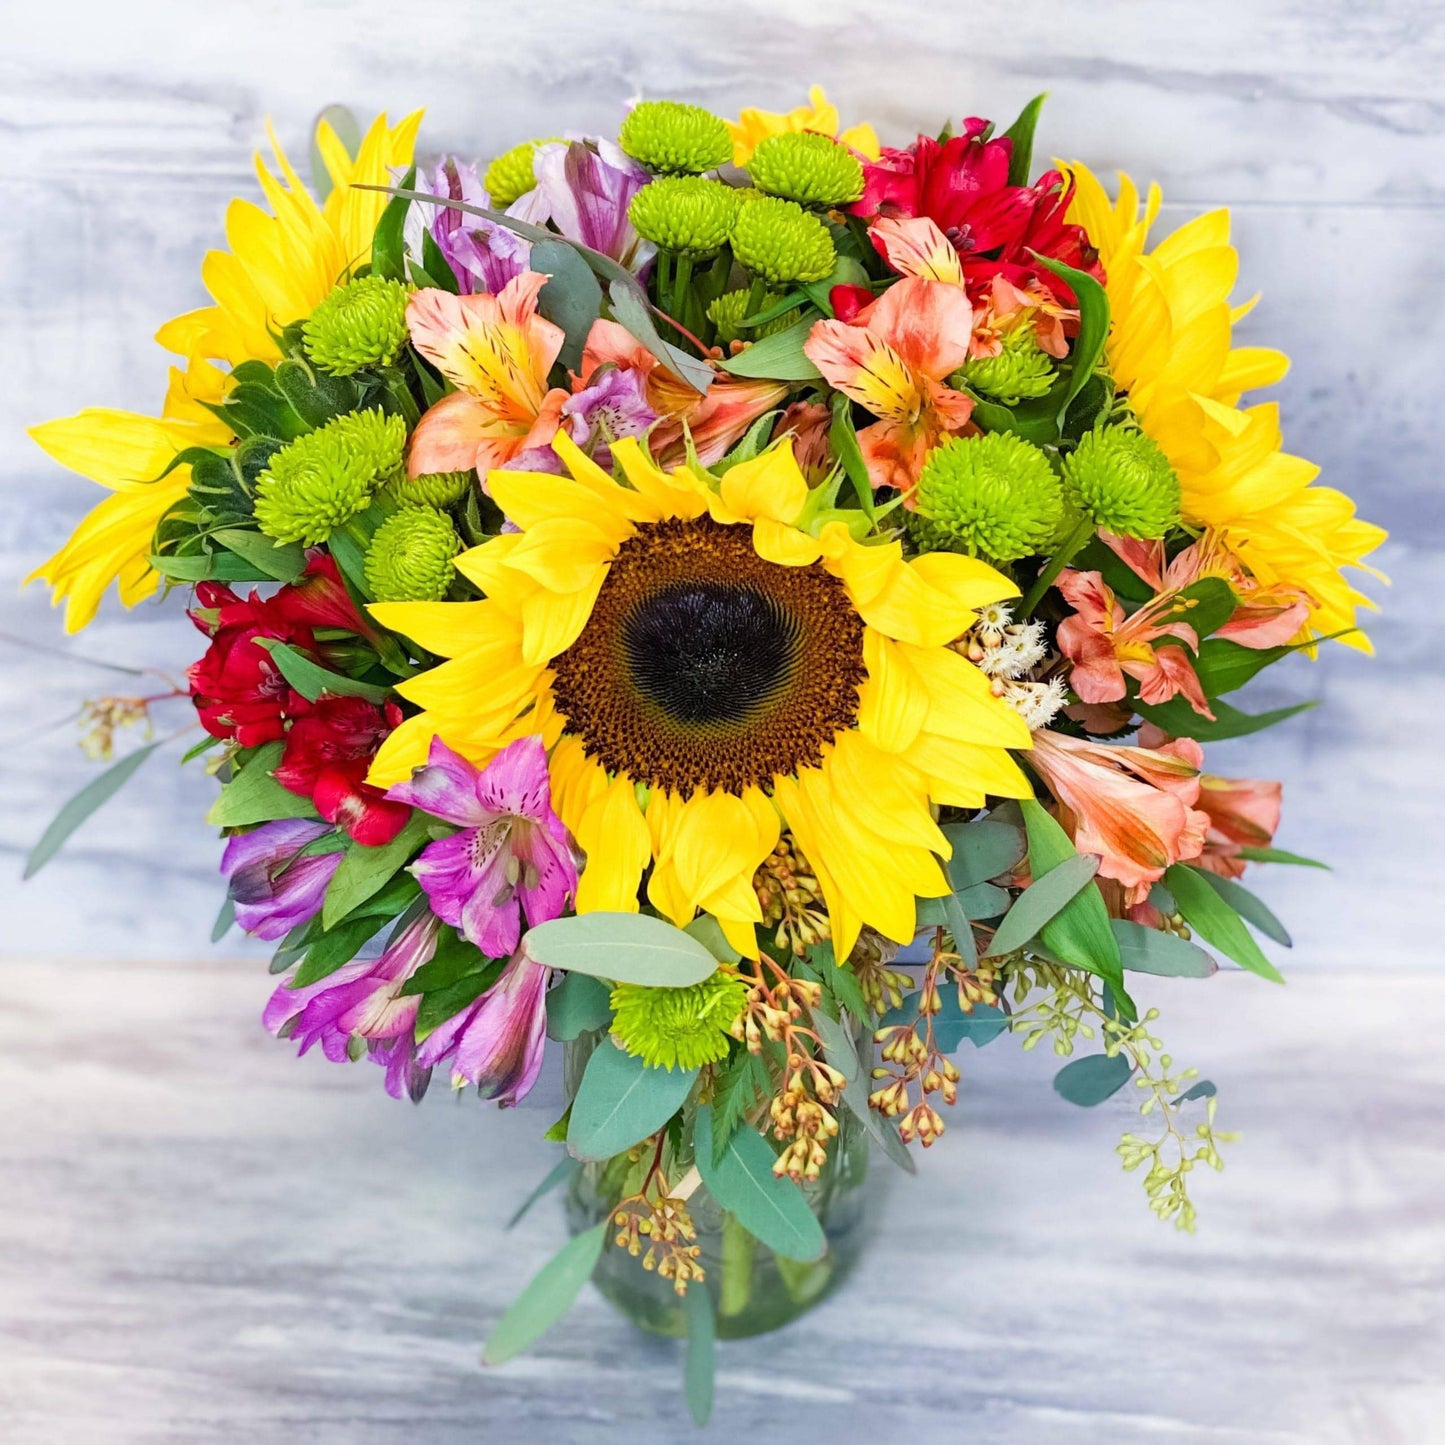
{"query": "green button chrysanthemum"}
(685, 214)
(666, 135)
(433, 489)
(1123, 482)
(362, 323)
(996, 494)
(807, 167)
(729, 309)
(511, 175)
(781, 242)
(410, 557)
(1021, 370)
(682, 1028)
(321, 480)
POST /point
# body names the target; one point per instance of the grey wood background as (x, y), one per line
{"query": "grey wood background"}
(201, 1239)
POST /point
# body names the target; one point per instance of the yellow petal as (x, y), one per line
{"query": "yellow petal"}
(615, 839)
(960, 704)
(770, 485)
(892, 703)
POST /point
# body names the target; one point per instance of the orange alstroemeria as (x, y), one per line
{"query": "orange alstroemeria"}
(1133, 807)
(497, 351)
(1243, 813)
(893, 358)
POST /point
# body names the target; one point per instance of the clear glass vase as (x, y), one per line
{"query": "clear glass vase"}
(753, 1290)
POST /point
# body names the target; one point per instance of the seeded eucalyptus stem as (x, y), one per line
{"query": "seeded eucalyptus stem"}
(1083, 528)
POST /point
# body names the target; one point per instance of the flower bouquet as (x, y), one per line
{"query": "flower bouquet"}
(745, 604)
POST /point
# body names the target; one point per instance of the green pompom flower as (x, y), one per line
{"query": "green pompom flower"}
(685, 214)
(732, 306)
(781, 242)
(410, 557)
(321, 480)
(806, 167)
(1120, 479)
(362, 323)
(995, 493)
(1021, 371)
(666, 135)
(432, 489)
(681, 1028)
(511, 175)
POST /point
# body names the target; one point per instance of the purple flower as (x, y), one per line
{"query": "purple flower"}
(497, 1043)
(584, 188)
(363, 1000)
(615, 406)
(511, 853)
(483, 255)
(274, 890)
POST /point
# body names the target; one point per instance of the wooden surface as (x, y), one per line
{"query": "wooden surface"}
(202, 1239)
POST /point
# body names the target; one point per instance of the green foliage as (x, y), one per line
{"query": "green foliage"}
(699, 1367)
(253, 796)
(1021, 133)
(562, 1172)
(1216, 921)
(572, 299)
(622, 947)
(548, 1296)
(738, 1089)
(1148, 950)
(1249, 908)
(387, 245)
(1179, 720)
(91, 797)
(576, 1005)
(622, 1101)
(1089, 1081)
(778, 357)
(983, 849)
(364, 870)
(1046, 897)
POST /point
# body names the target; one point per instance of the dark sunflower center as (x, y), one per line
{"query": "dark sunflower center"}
(710, 652)
(703, 666)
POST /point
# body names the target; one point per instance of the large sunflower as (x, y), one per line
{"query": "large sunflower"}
(705, 672)
(1170, 349)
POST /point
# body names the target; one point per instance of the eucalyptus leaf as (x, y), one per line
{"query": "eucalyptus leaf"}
(778, 357)
(224, 920)
(984, 900)
(1250, 908)
(1215, 921)
(620, 1101)
(984, 849)
(576, 1005)
(623, 947)
(1044, 899)
(708, 932)
(883, 1132)
(700, 1366)
(630, 309)
(551, 1293)
(343, 122)
(837, 1046)
(91, 797)
(1148, 950)
(1204, 1089)
(572, 299)
(562, 1172)
(1091, 1080)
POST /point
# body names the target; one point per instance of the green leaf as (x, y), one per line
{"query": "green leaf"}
(837, 1046)
(254, 796)
(630, 309)
(548, 1297)
(1021, 133)
(207, 567)
(843, 438)
(1222, 665)
(778, 357)
(1205, 606)
(847, 271)
(623, 947)
(224, 920)
(951, 1025)
(883, 1132)
(282, 564)
(698, 1371)
(572, 299)
(92, 796)
(1088, 346)
(310, 679)
(620, 1101)
(1091, 1080)
(437, 1007)
(341, 120)
(755, 441)
(1148, 950)
(1179, 720)
(1279, 855)
(1211, 917)
(708, 932)
(438, 268)
(335, 947)
(739, 1088)
(741, 1179)
(1204, 1089)
(576, 1005)
(387, 244)
(315, 397)
(364, 870)
(561, 1172)
(1080, 934)
(986, 848)
(983, 900)
(1042, 900)
(1249, 907)
(1034, 421)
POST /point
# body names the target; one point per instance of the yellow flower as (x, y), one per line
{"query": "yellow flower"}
(753, 126)
(704, 672)
(1170, 350)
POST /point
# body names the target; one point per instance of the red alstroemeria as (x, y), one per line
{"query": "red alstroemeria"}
(962, 185)
(319, 598)
(327, 755)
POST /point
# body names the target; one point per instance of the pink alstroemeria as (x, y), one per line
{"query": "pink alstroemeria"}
(1243, 813)
(893, 358)
(1133, 807)
(363, 1000)
(484, 255)
(584, 188)
(273, 890)
(511, 855)
(497, 1042)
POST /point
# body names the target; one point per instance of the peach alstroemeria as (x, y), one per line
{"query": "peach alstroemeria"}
(893, 358)
(1106, 646)
(1243, 813)
(1133, 807)
(497, 351)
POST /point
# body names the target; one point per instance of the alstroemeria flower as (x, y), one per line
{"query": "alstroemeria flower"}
(612, 406)
(511, 855)
(893, 358)
(497, 1042)
(497, 351)
(1243, 813)
(584, 188)
(484, 255)
(1133, 807)
(363, 1000)
(273, 889)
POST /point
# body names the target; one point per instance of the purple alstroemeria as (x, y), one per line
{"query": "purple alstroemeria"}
(497, 1042)
(614, 407)
(272, 889)
(584, 187)
(483, 255)
(511, 854)
(363, 1000)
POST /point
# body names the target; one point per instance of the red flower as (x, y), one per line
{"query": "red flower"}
(238, 690)
(320, 598)
(962, 185)
(327, 755)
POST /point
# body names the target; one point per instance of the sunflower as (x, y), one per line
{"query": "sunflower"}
(1170, 349)
(706, 673)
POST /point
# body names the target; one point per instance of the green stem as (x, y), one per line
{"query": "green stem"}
(663, 277)
(738, 1249)
(1083, 530)
(681, 282)
(756, 292)
(400, 393)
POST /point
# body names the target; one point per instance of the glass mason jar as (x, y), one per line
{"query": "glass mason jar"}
(752, 1289)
